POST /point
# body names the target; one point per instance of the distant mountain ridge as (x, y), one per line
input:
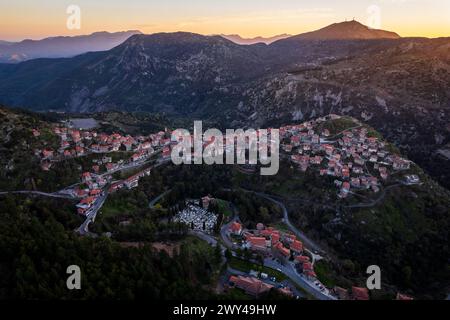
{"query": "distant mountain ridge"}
(247, 41)
(62, 46)
(347, 30)
(397, 85)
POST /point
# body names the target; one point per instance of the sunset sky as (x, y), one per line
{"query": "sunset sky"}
(20, 19)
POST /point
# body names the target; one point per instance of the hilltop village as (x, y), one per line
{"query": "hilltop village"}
(355, 159)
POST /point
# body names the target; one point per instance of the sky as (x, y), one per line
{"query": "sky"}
(31, 19)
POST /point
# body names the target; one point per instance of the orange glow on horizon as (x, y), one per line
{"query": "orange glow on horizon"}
(408, 18)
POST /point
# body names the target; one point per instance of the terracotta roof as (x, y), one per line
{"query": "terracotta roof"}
(297, 246)
(257, 241)
(302, 259)
(403, 297)
(236, 227)
(250, 285)
(360, 293)
(307, 266)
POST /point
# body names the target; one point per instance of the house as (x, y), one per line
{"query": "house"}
(360, 293)
(283, 250)
(236, 228)
(307, 266)
(132, 182)
(47, 153)
(257, 243)
(311, 275)
(95, 192)
(275, 238)
(296, 246)
(400, 164)
(302, 259)
(111, 166)
(86, 203)
(86, 176)
(403, 297)
(250, 285)
(166, 153)
(80, 193)
(141, 155)
(116, 186)
(79, 150)
(286, 291)
(206, 201)
(46, 165)
(341, 293)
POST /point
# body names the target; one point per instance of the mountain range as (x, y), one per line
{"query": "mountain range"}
(398, 85)
(60, 47)
(246, 41)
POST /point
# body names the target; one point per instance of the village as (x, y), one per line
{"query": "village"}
(98, 181)
(283, 251)
(346, 156)
(355, 159)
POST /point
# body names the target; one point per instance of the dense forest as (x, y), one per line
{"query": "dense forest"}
(38, 244)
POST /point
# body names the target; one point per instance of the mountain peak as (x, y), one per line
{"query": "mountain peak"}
(348, 30)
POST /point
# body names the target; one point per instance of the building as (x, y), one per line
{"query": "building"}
(257, 243)
(236, 228)
(360, 293)
(285, 252)
(250, 285)
(296, 246)
(403, 297)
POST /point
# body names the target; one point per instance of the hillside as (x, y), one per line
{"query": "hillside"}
(399, 86)
(246, 41)
(401, 228)
(347, 30)
(60, 47)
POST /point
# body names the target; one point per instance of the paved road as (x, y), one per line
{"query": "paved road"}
(308, 242)
(292, 274)
(92, 214)
(155, 200)
(39, 193)
(376, 201)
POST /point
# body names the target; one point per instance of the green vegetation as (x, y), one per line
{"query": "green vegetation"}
(224, 208)
(246, 266)
(338, 125)
(323, 271)
(38, 244)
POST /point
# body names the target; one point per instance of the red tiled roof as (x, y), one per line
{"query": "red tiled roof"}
(284, 251)
(360, 293)
(236, 227)
(257, 241)
(250, 285)
(88, 200)
(302, 259)
(311, 274)
(307, 266)
(403, 297)
(297, 246)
